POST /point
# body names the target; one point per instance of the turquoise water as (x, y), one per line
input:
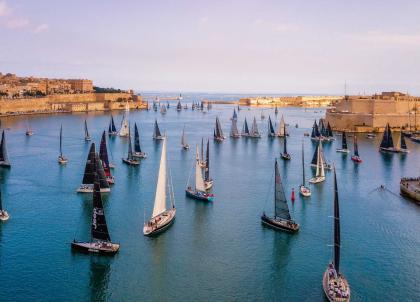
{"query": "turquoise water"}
(214, 251)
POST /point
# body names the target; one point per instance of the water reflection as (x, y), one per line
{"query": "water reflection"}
(100, 272)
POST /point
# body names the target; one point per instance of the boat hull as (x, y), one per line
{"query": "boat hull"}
(286, 156)
(158, 137)
(316, 180)
(88, 188)
(5, 164)
(281, 225)
(410, 187)
(165, 220)
(96, 247)
(199, 195)
(389, 150)
(304, 191)
(139, 154)
(130, 162)
(356, 159)
(4, 215)
(343, 150)
(329, 294)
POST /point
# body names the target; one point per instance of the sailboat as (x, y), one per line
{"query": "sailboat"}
(234, 129)
(262, 115)
(161, 218)
(314, 162)
(356, 158)
(322, 130)
(112, 130)
(344, 148)
(304, 190)
(329, 133)
(137, 150)
(199, 191)
(276, 111)
(124, 126)
(93, 165)
(100, 240)
(271, 132)
(402, 146)
(208, 182)
(4, 158)
(130, 160)
(103, 156)
(315, 135)
(285, 155)
(245, 129)
(387, 144)
(335, 285)
(281, 130)
(179, 106)
(254, 133)
(320, 172)
(29, 131)
(218, 132)
(156, 132)
(87, 136)
(281, 220)
(235, 115)
(201, 160)
(62, 160)
(184, 143)
(163, 109)
(3, 213)
(167, 105)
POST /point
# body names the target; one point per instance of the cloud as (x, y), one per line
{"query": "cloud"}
(14, 23)
(4, 9)
(204, 19)
(279, 27)
(40, 28)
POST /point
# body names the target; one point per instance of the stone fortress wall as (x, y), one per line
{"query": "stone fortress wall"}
(372, 113)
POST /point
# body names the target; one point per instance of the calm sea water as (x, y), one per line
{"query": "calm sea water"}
(215, 251)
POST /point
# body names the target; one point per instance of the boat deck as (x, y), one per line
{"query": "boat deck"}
(410, 187)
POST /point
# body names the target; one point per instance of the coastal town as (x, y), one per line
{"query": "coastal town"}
(32, 95)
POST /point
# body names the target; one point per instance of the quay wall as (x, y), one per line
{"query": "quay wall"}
(71, 103)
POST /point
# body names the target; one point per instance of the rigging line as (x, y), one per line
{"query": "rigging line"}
(189, 176)
(270, 189)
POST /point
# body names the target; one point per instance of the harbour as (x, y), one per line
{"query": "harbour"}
(222, 243)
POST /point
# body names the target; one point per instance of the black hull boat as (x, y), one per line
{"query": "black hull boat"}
(286, 156)
(103, 248)
(280, 224)
(199, 195)
(160, 223)
(389, 150)
(5, 164)
(130, 162)
(140, 154)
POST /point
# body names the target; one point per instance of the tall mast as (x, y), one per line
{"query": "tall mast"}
(61, 138)
(285, 141)
(202, 149)
(303, 165)
(337, 243)
(344, 141)
(207, 170)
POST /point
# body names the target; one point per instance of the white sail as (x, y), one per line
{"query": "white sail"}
(160, 197)
(199, 181)
(183, 139)
(124, 126)
(320, 171)
(280, 129)
(127, 107)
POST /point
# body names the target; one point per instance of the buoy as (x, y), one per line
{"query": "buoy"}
(293, 194)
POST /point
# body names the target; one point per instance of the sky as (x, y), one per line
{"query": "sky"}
(265, 46)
